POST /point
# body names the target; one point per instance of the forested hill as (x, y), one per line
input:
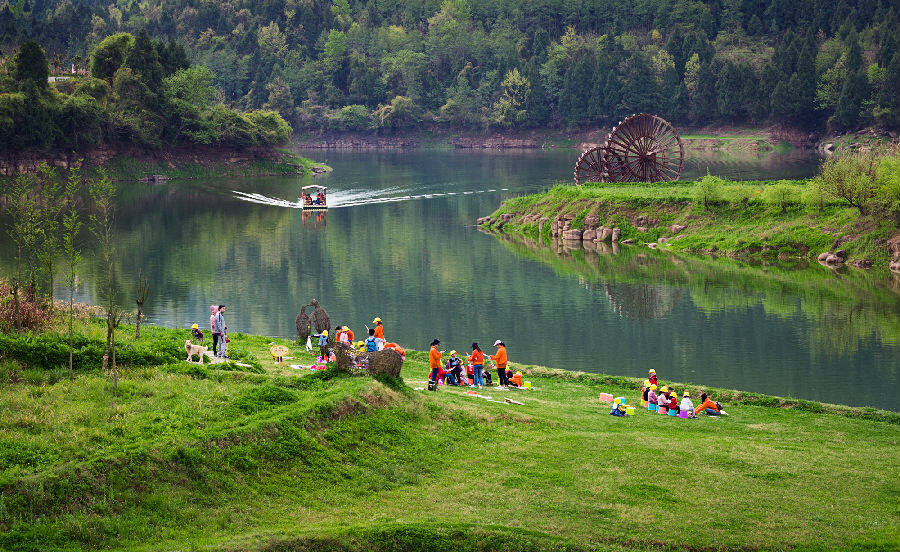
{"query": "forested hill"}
(390, 64)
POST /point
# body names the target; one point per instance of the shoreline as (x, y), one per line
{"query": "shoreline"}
(180, 163)
(748, 140)
(666, 216)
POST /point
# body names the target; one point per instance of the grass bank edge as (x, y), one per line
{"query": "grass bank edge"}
(281, 163)
(742, 221)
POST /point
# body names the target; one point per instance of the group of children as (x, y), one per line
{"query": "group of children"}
(665, 400)
(451, 372)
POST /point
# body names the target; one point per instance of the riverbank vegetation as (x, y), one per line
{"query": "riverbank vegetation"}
(141, 93)
(853, 205)
(266, 457)
(388, 66)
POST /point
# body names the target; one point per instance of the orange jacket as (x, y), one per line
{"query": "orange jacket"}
(395, 347)
(500, 357)
(337, 336)
(706, 404)
(477, 357)
(434, 358)
(350, 335)
(379, 331)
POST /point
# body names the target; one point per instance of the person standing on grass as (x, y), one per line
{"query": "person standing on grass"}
(219, 327)
(476, 359)
(500, 360)
(323, 345)
(434, 360)
(213, 310)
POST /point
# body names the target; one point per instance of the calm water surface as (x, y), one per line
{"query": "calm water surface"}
(402, 246)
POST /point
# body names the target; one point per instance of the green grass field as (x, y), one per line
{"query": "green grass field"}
(742, 220)
(192, 457)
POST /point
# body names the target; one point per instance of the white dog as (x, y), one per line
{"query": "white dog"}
(192, 350)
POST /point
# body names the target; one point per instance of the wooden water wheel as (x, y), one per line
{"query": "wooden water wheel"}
(643, 148)
(590, 166)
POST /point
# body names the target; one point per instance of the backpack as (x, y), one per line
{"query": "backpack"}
(371, 345)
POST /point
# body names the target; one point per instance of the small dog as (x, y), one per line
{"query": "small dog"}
(192, 350)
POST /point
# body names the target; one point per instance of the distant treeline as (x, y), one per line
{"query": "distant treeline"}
(390, 64)
(142, 92)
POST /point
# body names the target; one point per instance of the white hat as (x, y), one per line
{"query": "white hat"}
(498, 342)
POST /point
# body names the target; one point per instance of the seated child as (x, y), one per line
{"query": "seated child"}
(486, 374)
(711, 408)
(662, 401)
(651, 394)
(673, 402)
(196, 333)
(618, 409)
(687, 405)
(645, 391)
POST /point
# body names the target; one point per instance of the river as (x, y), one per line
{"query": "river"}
(400, 244)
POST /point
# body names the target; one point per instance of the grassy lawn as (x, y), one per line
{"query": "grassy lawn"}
(194, 457)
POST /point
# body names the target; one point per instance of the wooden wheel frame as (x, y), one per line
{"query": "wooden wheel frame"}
(590, 167)
(643, 148)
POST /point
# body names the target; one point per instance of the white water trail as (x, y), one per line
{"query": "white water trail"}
(355, 198)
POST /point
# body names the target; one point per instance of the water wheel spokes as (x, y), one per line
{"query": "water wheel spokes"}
(590, 166)
(643, 148)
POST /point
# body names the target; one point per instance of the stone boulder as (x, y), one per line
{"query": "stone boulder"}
(628, 241)
(616, 234)
(823, 256)
(894, 266)
(591, 222)
(676, 228)
(604, 233)
(833, 259)
(641, 228)
(589, 235)
(573, 235)
(861, 263)
(662, 240)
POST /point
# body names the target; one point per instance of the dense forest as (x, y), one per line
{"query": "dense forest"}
(390, 64)
(141, 92)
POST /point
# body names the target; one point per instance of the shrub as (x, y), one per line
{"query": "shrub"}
(781, 193)
(708, 190)
(35, 314)
(740, 195)
(852, 178)
(815, 195)
(888, 181)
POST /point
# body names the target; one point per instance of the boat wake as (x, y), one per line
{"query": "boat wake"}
(356, 198)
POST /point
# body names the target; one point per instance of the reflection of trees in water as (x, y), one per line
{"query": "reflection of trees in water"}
(642, 301)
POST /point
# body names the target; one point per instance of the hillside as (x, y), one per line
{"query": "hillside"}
(265, 457)
(385, 66)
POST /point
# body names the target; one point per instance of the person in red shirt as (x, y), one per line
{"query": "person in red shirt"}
(653, 377)
(673, 401)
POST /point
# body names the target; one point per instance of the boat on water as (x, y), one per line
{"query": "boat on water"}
(314, 197)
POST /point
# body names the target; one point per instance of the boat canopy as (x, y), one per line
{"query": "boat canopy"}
(314, 186)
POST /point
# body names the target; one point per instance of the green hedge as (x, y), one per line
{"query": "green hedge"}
(50, 351)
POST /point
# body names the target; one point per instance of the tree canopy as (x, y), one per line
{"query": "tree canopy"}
(811, 63)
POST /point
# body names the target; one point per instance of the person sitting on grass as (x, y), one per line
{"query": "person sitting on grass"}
(651, 394)
(687, 405)
(618, 409)
(711, 408)
(662, 400)
(196, 333)
(673, 401)
(454, 369)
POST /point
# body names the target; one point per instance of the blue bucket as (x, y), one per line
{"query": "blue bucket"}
(672, 412)
(652, 407)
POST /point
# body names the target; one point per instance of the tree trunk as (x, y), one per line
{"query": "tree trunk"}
(115, 368)
(71, 333)
(137, 324)
(16, 306)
